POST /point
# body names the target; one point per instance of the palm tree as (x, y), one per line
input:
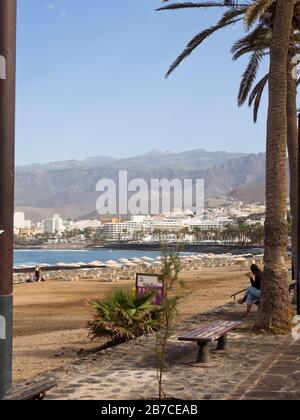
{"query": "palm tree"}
(257, 43)
(273, 314)
(198, 233)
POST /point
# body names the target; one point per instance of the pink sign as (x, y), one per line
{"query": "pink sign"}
(146, 283)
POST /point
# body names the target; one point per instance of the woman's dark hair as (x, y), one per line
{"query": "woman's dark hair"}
(255, 269)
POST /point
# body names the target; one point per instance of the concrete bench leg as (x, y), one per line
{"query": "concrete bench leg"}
(203, 353)
(223, 344)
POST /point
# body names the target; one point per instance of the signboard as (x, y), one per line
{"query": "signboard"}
(146, 283)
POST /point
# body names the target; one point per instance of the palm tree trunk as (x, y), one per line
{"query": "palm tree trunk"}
(293, 151)
(274, 311)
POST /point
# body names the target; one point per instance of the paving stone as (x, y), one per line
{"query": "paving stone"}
(296, 376)
(279, 381)
(281, 370)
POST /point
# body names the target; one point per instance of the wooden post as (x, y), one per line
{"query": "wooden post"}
(7, 152)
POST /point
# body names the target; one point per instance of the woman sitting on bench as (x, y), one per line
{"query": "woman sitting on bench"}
(253, 293)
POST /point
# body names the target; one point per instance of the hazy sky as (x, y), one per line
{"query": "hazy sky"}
(91, 82)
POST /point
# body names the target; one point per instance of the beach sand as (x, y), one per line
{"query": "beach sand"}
(50, 318)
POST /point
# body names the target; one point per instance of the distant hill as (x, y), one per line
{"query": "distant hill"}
(68, 164)
(69, 188)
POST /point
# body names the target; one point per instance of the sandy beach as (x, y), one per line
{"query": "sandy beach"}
(50, 318)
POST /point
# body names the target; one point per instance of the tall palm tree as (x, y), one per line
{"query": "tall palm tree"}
(257, 43)
(274, 312)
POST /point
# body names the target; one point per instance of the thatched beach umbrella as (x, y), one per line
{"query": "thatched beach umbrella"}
(111, 263)
(130, 264)
(137, 260)
(96, 264)
(80, 264)
(147, 259)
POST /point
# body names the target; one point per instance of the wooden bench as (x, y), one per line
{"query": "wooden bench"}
(31, 391)
(216, 331)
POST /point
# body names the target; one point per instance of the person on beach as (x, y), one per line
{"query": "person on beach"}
(37, 274)
(253, 293)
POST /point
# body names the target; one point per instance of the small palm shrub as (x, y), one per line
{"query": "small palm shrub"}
(123, 316)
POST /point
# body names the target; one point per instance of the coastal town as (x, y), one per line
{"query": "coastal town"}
(220, 222)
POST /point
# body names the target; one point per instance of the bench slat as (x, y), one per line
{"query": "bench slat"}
(211, 332)
(218, 330)
(31, 390)
(209, 329)
(204, 330)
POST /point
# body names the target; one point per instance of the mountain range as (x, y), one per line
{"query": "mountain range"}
(69, 187)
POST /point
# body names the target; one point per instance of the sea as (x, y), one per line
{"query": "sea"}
(53, 257)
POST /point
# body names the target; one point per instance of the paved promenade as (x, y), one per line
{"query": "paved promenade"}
(129, 371)
(256, 367)
(276, 378)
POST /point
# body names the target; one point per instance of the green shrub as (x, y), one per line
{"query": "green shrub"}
(123, 316)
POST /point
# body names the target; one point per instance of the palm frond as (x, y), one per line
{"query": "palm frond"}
(187, 5)
(229, 18)
(255, 11)
(256, 95)
(249, 76)
(123, 315)
(258, 39)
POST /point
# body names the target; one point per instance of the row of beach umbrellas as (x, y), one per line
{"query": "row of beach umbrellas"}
(147, 261)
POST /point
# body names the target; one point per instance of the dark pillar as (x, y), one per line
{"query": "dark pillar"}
(223, 344)
(7, 140)
(203, 353)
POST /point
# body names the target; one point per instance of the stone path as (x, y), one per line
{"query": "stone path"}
(129, 371)
(276, 378)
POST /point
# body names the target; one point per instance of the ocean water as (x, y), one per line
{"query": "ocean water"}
(53, 257)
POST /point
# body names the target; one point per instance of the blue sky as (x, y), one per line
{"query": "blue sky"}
(91, 82)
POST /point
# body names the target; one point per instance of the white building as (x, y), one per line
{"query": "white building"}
(69, 225)
(27, 224)
(171, 224)
(124, 230)
(138, 219)
(168, 223)
(48, 226)
(87, 224)
(210, 224)
(19, 220)
(54, 225)
(58, 223)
